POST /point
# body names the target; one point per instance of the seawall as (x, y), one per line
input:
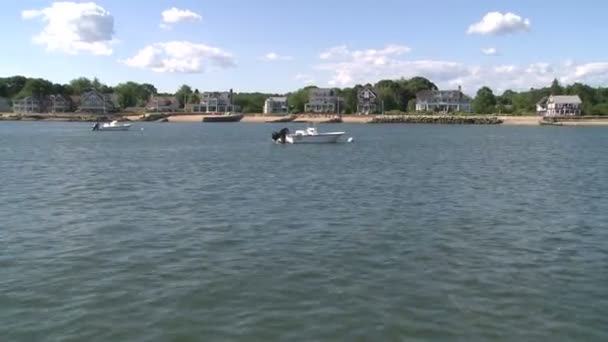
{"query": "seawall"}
(426, 119)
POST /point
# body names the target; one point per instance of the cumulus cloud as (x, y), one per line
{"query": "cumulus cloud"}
(273, 56)
(336, 51)
(306, 79)
(175, 15)
(497, 23)
(180, 57)
(360, 67)
(489, 51)
(74, 27)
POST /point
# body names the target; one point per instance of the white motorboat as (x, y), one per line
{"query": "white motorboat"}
(112, 126)
(310, 135)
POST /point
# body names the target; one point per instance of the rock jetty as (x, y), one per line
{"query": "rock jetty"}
(436, 119)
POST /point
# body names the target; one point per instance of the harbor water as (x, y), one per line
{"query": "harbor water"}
(210, 232)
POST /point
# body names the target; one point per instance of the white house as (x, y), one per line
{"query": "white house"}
(324, 100)
(443, 101)
(94, 101)
(367, 101)
(276, 105)
(29, 104)
(214, 102)
(5, 104)
(560, 105)
(162, 104)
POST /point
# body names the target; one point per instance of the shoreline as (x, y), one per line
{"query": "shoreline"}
(303, 118)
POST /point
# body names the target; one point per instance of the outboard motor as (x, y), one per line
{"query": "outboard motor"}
(280, 135)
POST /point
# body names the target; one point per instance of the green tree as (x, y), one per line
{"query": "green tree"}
(37, 87)
(128, 94)
(183, 95)
(11, 86)
(485, 101)
(80, 85)
(298, 99)
(556, 88)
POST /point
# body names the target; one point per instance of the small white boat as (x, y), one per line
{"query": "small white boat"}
(310, 135)
(112, 126)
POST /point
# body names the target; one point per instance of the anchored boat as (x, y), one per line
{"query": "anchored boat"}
(310, 135)
(225, 117)
(112, 126)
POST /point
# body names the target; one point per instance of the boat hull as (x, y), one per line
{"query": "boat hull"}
(323, 138)
(223, 118)
(115, 128)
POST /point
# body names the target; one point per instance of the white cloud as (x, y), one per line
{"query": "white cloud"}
(306, 79)
(180, 57)
(497, 23)
(591, 69)
(489, 51)
(361, 67)
(337, 51)
(175, 15)
(273, 56)
(164, 26)
(74, 27)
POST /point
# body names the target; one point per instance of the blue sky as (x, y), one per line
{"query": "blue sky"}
(277, 46)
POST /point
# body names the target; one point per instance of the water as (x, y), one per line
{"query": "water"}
(206, 232)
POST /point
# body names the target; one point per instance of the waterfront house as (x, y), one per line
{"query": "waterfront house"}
(5, 105)
(367, 101)
(29, 104)
(443, 101)
(94, 101)
(324, 100)
(559, 105)
(276, 105)
(214, 102)
(58, 104)
(162, 104)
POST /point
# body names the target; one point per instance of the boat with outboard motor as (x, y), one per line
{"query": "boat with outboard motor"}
(310, 135)
(112, 126)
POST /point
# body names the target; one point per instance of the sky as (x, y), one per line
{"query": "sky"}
(279, 46)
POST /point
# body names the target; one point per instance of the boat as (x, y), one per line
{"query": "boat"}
(112, 126)
(287, 118)
(225, 117)
(310, 135)
(549, 122)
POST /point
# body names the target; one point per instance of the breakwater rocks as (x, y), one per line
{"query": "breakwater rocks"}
(433, 119)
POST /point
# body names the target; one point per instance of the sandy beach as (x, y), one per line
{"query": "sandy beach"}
(530, 120)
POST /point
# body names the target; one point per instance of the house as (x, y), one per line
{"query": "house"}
(559, 105)
(541, 106)
(94, 101)
(214, 102)
(162, 104)
(5, 105)
(324, 100)
(444, 101)
(367, 101)
(58, 104)
(276, 105)
(29, 104)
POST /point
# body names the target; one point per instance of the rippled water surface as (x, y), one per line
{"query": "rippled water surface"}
(204, 232)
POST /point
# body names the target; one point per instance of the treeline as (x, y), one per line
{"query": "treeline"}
(595, 100)
(129, 94)
(395, 95)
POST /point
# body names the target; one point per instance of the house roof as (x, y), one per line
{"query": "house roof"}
(367, 90)
(566, 99)
(428, 94)
(277, 99)
(543, 100)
